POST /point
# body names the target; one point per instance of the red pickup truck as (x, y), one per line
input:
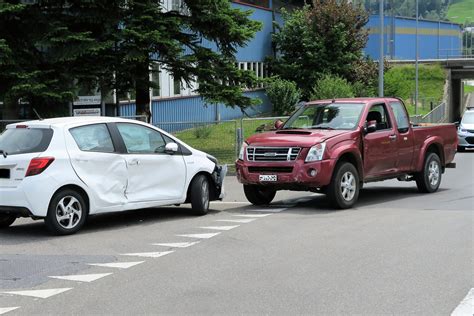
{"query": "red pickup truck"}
(334, 146)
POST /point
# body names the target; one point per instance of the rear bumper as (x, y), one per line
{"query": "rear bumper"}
(298, 179)
(16, 211)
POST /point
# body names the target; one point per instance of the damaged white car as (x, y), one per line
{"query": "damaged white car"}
(65, 169)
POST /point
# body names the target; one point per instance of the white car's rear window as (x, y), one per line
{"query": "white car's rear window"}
(14, 141)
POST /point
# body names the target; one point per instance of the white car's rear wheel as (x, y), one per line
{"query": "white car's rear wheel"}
(199, 191)
(67, 212)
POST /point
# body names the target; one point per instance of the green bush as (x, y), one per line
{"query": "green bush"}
(202, 132)
(330, 87)
(283, 95)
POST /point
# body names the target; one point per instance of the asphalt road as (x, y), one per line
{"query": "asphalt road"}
(398, 252)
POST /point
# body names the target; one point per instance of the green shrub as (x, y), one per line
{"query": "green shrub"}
(330, 87)
(283, 95)
(202, 132)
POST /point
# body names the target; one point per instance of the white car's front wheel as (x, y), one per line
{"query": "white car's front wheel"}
(67, 212)
(199, 191)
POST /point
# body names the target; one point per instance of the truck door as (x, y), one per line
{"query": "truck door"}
(405, 137)
(380, 146)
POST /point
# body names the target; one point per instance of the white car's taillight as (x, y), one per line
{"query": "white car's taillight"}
(38, 165)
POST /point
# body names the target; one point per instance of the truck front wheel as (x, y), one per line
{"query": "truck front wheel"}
(259, 195)
(343, 191)
(429, 179)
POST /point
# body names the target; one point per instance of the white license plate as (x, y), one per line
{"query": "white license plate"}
(268, 177)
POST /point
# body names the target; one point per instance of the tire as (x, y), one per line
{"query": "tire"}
(259, 195)
(67, 213)
(6, 220)
(343, 191)
(199, 190)
(429, 179)
(461, 149)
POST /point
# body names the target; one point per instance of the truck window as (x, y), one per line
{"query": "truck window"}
(401, 117)
(379, 113)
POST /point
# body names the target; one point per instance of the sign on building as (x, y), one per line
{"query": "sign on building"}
(87, 112)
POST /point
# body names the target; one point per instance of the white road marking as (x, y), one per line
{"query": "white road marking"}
(148, 254)
(243, 221)
(39, 293)
(252, 215)
(82, 277)
(4, 310)
(466, 307)
(119, 265)
(269, 210)
(178, 244)
(200, 236)
(220, 227)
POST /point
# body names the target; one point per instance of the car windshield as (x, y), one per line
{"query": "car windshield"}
(468, 118)
(337, 116)
(25, 140)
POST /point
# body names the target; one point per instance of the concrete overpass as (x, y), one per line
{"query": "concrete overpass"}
(458, 69)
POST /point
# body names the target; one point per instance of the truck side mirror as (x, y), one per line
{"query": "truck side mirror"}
(457, 123)
(370, 127)
(278, 124)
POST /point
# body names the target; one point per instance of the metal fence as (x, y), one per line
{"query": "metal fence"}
(437, 115)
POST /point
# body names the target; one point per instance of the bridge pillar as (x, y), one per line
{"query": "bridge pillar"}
(455, 99)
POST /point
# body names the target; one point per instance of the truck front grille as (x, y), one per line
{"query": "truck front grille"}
(272, 153)
(271, 169)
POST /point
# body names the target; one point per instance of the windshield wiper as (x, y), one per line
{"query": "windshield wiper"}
(322, 127)
(4, 153)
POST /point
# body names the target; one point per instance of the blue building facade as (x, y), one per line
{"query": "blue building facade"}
(175, 103)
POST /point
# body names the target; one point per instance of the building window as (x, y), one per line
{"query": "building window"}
(258, 68)
(155, 79)
(176, 86)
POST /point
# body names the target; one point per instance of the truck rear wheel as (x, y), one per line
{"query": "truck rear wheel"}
(259, 195)
(343, 191)
(429, 179)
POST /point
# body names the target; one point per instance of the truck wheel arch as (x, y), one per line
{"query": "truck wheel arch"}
(353, 158)
(432, 145)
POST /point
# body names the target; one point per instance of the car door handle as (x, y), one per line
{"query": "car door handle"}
(134, 162)
(393, 137)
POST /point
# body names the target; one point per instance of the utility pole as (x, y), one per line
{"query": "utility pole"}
(416, 60)
(382, 28)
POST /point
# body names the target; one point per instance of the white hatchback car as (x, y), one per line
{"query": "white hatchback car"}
(65, 169)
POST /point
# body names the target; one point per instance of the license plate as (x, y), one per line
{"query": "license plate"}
(4, 173)
(268, 177)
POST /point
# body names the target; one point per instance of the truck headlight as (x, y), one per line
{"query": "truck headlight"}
(316, 152)
(243, 147)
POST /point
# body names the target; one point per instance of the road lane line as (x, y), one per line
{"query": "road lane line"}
(82, 277)
(200, 236)
(269, 210)
(39, 293)
(466, 307)
(243, 221)
(119, 265)
(4, 310)
(252, 215)
(220, 227)
(178, 244)
(148, 254)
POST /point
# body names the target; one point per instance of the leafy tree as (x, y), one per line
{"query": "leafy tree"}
(326, 38)
(331, 87)
(112, 45)
(283, 95)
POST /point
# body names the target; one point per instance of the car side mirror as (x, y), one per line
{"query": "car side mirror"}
(370, 127)
(278, 124)
(171, 148)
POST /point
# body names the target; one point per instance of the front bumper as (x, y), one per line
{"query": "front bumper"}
(466, 140)
(218, 176)
(299, 178)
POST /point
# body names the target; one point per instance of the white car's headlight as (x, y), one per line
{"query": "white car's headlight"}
(243, 147)
(316, 152)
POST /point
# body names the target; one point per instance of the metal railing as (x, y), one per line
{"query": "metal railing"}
(437, 115)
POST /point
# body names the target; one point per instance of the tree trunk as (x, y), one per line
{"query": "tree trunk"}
(142, 89)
